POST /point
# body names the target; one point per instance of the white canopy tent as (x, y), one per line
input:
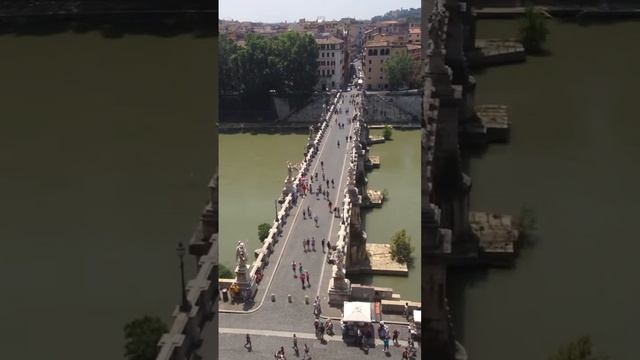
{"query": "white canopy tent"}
(356, 311)
(417, 316)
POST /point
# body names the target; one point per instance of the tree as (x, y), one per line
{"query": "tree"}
(387, 132)
(286, 63)
(225, 273)
(580, 349)
(228, 65)
(142, 336)
(263, 231)
(533, 30)
(400, 69)
(401, 248)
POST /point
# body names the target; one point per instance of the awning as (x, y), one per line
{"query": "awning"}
(417, 316)
(355, 311)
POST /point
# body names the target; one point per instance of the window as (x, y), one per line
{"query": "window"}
(375, 52)
(333, 54)
(381, 61)
(369, 69)
(321, 54)
(323, 72)
(370, 52)
(386, 85)
(369, 61)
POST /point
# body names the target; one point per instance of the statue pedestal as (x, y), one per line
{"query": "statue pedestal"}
(339, 291)
(244, 281)
(339, 287)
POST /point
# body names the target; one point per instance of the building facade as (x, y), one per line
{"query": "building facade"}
(331, 62)
(373, 58)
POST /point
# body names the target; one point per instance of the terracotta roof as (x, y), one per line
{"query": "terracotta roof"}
(415, 30)
(413, 47)
(328, 40)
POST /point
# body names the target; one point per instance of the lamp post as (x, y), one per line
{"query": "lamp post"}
(184, 305)
(275, 205)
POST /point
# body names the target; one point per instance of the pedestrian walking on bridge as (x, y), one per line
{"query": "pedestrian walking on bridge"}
(293, 266)
(306, 275)
(247, 345)
(306, 352)
(295, 345)
(302, 279)
(316, 220)
(313, 243)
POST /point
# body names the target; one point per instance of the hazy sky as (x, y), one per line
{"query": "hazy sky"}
(293, 10)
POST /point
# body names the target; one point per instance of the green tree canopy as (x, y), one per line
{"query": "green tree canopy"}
(228, 65)
(401, 248)
(263, 231)
(286, 63)
(387, 132)
(142, 336)
(400, 69)
(225, 273)
(533, 30)
(580, 349)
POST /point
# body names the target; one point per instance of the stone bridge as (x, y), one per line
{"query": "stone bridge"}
(448, 101)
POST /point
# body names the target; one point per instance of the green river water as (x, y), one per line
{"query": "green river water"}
(106, 150)
(573, 157)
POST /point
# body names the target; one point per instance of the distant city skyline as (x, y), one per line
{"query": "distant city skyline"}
(275, 11)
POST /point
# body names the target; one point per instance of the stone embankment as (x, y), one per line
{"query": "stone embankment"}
(490, 52)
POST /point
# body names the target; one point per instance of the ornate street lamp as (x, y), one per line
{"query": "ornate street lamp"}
(184, 305)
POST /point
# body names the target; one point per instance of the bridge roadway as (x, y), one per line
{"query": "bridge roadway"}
(267, 321)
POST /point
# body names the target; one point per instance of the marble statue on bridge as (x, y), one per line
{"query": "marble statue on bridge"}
(241, 254)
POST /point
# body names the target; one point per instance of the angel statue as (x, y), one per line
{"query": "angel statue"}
(241, 254)
(289, 170)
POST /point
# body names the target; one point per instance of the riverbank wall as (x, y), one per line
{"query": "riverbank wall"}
(396, 108)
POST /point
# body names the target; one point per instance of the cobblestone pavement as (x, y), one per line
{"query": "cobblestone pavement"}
(264, 346)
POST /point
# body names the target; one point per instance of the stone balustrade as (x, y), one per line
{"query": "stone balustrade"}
(202, 295)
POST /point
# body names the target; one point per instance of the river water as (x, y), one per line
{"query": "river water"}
(573, 157)
(106, 150)
(252, 171)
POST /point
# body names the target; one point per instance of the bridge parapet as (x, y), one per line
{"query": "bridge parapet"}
(202, 295)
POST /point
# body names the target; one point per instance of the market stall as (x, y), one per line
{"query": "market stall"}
(417, 319)
(357, 320)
